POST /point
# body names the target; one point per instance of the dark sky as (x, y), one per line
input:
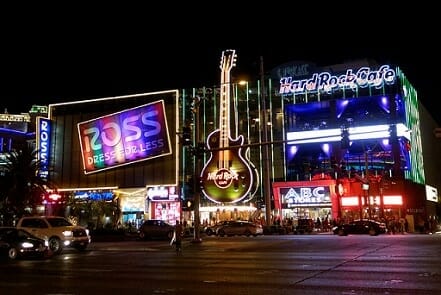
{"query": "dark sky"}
(66, 58)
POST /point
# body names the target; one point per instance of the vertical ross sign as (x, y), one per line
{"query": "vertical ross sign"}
(43, 145)
(125, 137)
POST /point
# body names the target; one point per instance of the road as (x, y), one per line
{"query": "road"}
(277, 264)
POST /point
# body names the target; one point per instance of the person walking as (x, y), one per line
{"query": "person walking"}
(178, 236)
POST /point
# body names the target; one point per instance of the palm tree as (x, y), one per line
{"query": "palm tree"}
(22, 187)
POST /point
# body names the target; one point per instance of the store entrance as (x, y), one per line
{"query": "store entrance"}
(132, 220)
(320, 216)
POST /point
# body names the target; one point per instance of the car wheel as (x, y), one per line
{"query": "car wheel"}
(12, 253)
(221, 233)
(341, 232)
(142, 235)
(209, 232)
(372, 232)
(247, 233)
(55, 245)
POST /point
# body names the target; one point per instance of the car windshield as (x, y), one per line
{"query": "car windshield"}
(14, 233)
(57, 222)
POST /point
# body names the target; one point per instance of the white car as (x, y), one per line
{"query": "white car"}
(58, 230)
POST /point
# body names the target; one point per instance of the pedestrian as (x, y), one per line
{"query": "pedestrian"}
(402, 222)
(178, 236)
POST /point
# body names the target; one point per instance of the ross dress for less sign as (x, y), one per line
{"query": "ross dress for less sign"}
(125, 137)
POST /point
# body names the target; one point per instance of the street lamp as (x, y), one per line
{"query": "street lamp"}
(196, 186)
(365, 187)
(266, 174)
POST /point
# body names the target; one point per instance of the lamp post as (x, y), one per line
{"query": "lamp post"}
(196, 188)
(366, 185)
(266, 171)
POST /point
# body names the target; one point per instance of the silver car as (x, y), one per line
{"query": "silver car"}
(244, 228)
(155, 229)
(212, 229)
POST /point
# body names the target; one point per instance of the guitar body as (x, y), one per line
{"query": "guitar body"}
(232, 178)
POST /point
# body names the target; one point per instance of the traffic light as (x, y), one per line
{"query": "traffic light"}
(186, 136)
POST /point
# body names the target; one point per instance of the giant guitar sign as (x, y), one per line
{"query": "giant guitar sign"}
(228, 176)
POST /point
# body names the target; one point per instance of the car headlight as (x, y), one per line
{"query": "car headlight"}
(27, 245)
(46, 241)
(68, 233)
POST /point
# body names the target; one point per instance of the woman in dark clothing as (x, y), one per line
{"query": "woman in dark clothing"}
(178, 236)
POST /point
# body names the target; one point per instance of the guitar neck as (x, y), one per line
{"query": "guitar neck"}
(224, 118)
(227, 62)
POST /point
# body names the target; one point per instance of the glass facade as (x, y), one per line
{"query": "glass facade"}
(316, 133)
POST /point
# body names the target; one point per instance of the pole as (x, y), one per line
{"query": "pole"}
(368, 200)
(266, 171)
(196, 188)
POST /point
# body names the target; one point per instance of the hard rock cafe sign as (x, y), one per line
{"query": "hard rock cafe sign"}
(327, 82)
(228, 176)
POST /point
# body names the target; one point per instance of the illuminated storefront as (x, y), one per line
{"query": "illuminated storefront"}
(353, 124)
(331, 129)
(305, 199)
(119, 146)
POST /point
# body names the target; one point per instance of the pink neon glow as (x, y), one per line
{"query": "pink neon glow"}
(349, 201)
(393, 200)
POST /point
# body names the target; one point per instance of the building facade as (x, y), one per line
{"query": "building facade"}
(346, 141)
(333, 142)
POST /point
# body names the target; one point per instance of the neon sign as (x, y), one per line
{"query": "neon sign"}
(43, 144)
(126, 137)
(161, 193)
(306, 195)
(355, 133)
(93, 196)
(326, 82)
(228, 176)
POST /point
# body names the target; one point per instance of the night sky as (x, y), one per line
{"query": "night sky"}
(67, 57)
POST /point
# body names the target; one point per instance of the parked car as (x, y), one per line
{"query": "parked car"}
(155, 229)
(360, 226)
(245, 228)
(17, 243)
(60, 232)
(211, 229)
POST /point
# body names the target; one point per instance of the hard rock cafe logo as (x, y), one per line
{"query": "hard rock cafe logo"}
(222, 178)
(328, 82)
